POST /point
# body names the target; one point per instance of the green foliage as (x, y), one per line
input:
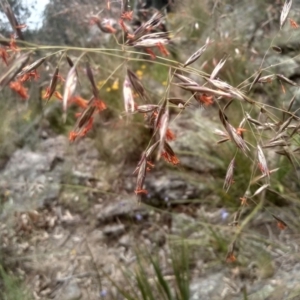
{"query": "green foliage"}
(11, 288)
(153, 283)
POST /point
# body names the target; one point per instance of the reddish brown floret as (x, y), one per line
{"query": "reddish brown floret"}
(127, 15)
(151, 53)
(12, 45)
(21, 26)
(4, 55)
(163, 50)
(19, 88)
(230, 258)
(204, 99)
(123, 26)
(79, 101)
(170, 158)
(73, 135)
(58, 95)
(100, 105)
(140, 191)
(170, 136)
(244, 201)
(293, 24)
(30, 75)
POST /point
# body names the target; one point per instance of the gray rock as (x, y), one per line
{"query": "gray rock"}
(181, 222)
(113, 231)
(70, 291)
(119, 210)
(165, 188)
(207, 288)
(195, 142)
(31, 179)
(283, 64)
(125, 241)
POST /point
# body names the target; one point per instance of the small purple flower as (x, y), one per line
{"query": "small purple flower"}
(103, 293)
(224, 214)
(139, 217)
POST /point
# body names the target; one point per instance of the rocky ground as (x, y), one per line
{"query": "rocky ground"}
(70, 223)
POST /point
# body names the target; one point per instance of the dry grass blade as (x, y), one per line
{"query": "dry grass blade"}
(146, 156)
(291, 104)
(163, 126)
(84, 122)
(230, 257)
(295, 130)
(236, 138)
(236, 218)
(256, 179)
(261, 189)
(31, 67)
(242, 123)
(277, 49)
(90, 76)
(218, 67)
(253, 121)
(85, 117)
(161, 112)
(280, 223)
(220, 132)
(128, 96)
(288, 155)
(262, 161)
(169, 155)
(178, 101)
(53, 84)
(151, 149)
(223, 118)
(229, 89)
(255, 80)
(227, 104)
(203, 89)
(151, 40)
(70, 62)
(14, 69)
(278, 143)
(186, 80)
(147, 108)
(285, 11)
(70, 87)
(285, 79)
(267, 79)
(195, 56)
(141, 179)
(139, 164)
(223, 140)
(285, 125)
(282, 135)
(229, 175)
(12, 19)
(152, 23)
(136, 84)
